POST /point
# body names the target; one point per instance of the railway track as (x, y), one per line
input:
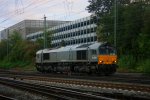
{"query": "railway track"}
(56, 92)
(119, 77)
(122, 86)
(72, 93)
(117, 83)
(2, 97)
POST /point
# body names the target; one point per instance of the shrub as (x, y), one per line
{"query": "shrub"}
(127, 62)
(145, 66)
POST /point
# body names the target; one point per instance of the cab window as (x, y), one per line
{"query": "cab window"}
(107, 50)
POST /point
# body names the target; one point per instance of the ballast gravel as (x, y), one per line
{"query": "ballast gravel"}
(19, 94)
(91, 88)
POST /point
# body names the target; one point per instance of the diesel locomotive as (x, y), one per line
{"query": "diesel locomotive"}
(97, 58)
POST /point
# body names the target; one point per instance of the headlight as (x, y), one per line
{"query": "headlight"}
(115, 61)
(100, 61)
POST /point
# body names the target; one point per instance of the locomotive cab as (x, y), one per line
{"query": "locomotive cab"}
(107, 55)
(107, 59)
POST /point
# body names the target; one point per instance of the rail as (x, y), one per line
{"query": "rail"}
(56, 92)
(2, 97)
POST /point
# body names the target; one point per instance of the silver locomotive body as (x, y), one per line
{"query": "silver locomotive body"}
(75, 58)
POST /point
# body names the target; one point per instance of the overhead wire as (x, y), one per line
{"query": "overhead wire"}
(12, 12)
(31, 6)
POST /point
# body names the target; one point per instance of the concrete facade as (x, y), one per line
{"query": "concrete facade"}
(75, 32)
(27, 27)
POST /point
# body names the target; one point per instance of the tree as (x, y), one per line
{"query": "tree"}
(133, 27)
(49, 38)
(103, 7)
(129, 23)
(40, 41)
(104, 16)
(144, 36)
(15, 37)
(3, 49)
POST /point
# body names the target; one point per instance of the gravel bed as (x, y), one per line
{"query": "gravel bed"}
(92, 89)
(19, 94)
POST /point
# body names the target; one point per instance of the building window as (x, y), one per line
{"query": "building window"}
(91, 38)
(82, 32)
(84, 40)
(78, 24)
(73, 34)
(95, 38)
(79, 40)
(66, 28)
(78, 33)
(71, 27)
(88, 22)
(88, 39)
(85, 31)
(74, 25)
(92, 30)
(73, 41)
(88, 31)
(82, 24)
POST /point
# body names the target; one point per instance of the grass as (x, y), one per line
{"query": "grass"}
(144, 66)
(19, 65)
(129, 64)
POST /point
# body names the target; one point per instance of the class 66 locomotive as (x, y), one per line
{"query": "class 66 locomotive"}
(91, 58)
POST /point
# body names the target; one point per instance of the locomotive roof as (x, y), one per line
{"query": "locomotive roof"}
(73, 47)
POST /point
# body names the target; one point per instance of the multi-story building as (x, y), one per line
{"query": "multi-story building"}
(75, 32)
(27, 27)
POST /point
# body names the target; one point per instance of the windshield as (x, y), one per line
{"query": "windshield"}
(107, 50)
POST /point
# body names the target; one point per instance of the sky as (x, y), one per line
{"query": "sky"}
(14, 11)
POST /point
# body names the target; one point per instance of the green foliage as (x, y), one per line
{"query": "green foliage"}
(49, 33)
(8, 65)
(16, 52)
(127, 61)
(14, 38)
(29, 49)
(103, 7)
(144, 66)
(3, 49)
(144, 36)
(40, 41)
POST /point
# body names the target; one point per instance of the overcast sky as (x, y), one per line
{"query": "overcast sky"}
(14, 11)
